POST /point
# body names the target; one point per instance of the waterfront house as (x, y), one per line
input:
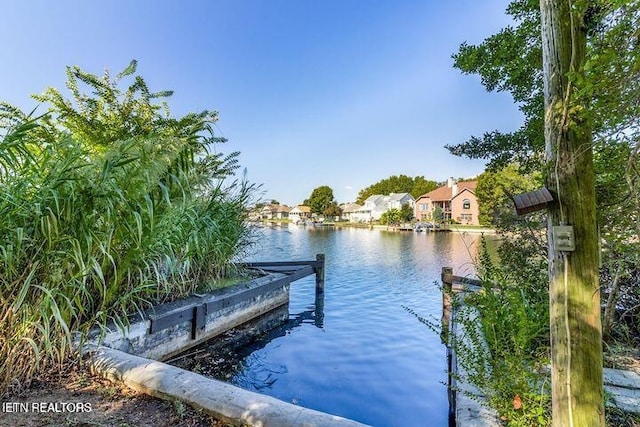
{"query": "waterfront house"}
(371, 210)
(348, 209)
(266, 212)
(282, 212)
(397, 200)
(300, 213)
(377, 204)
(457, 200)
(273, 211)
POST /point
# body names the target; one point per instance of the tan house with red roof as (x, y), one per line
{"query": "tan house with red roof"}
(456, 199)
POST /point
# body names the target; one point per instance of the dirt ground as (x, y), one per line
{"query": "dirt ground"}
(96, 403)
(113, 405)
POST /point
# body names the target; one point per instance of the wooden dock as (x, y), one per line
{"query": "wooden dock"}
(294, 269)
(623, 386)
(463, 410)
(196, 311)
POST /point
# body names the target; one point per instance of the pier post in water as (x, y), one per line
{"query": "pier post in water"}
(447, 283)
(319, 273)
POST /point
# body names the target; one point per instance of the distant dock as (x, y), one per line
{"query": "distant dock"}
(418, 227)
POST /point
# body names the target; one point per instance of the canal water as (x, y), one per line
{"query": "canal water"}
(360, 353)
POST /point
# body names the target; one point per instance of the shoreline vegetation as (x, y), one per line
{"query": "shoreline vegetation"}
(109, 205)
(454, 228)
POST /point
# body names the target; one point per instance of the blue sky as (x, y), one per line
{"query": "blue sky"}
(333, 92)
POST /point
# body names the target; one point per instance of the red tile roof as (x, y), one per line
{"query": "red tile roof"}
(444, 193)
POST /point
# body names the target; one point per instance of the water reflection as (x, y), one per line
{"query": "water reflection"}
(318, 318)
(235, 354)
(356, 351)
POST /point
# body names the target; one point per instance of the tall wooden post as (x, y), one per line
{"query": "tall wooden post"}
(447, 284)
(320, 273)
(576, 330)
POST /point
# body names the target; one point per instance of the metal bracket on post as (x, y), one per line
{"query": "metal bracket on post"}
(563, 238)
(199, 320)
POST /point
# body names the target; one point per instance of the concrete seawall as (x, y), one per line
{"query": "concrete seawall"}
(233, 306)
(224, 401)
(133, 355)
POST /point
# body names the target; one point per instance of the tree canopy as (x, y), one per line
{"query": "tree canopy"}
(406, 212)
(321, 199)
(495, 189)
(392, 216)
(333, 210)
(511, 61)
(604, 101)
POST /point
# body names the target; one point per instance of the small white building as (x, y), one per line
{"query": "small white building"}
(300, 213)
(274, 211)
(348, 209)
(397, 200)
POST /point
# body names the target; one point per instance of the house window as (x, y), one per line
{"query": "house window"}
(466, 204)
(424, 206)
(465, 218)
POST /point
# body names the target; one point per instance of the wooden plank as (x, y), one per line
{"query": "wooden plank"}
(532, 201)
(466, 280)
(314, 263)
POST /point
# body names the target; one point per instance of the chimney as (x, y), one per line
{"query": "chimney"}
(450, 182)
(454, 190)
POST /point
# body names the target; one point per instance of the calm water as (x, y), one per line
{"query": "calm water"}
(364, 356)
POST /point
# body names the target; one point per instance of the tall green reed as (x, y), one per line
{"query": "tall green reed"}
(101, 218)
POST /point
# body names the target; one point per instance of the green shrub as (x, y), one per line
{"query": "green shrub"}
(107, 206)
(504, 351)
(391, 216)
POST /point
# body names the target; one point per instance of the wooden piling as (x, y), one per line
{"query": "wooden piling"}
(318, 319)
(447, 284)
(320, 273)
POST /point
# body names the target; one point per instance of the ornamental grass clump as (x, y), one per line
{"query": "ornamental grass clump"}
(107, 205)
